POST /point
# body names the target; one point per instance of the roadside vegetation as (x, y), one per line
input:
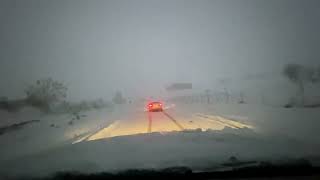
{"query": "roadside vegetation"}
(49, 96)
(301, 76)
(301, 85)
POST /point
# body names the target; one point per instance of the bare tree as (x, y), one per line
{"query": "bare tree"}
(118, 98)
(44, 93)
(241, 98)
(224, 83)
(299, 75)
(208, 92)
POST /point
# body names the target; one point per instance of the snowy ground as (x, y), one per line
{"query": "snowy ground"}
(51, 131)
(117, 140)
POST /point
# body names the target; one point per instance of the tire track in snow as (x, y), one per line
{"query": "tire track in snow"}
(225, 122)
(108, 128)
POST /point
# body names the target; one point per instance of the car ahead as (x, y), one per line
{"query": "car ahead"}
(155, 107)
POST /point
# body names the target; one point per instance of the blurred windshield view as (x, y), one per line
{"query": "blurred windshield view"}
(159, 87)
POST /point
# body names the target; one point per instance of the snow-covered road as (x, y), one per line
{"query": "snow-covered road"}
(118, 140)
(173, 119)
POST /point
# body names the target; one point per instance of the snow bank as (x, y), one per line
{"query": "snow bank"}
(50, 132)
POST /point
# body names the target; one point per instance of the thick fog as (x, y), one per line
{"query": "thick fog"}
(109, 85)
(139, 47)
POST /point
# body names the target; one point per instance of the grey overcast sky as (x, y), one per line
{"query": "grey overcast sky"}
(138, 46)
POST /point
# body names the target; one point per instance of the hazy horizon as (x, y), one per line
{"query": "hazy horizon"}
(138, 47)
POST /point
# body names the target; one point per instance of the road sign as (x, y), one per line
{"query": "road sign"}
(179, 86)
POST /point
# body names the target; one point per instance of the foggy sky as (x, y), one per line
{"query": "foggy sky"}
(138, 47)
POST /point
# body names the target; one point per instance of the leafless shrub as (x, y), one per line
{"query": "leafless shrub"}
(118, 98)
(44, 93)
(301, 75)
